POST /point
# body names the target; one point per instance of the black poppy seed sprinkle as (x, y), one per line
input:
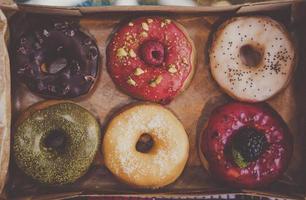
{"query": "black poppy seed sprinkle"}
(273, 60)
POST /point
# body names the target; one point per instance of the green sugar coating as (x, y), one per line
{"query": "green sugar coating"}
(47, 165)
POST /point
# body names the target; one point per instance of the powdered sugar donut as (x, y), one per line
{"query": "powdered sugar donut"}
(252, 58)
(146, 146)
(151, 59)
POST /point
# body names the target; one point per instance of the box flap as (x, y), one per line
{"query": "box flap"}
(266, 6)
(79, 11)
(8, 4)
(49, 10)
(5, 101)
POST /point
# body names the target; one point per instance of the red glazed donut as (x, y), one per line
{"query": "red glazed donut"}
(151, 59)
(246, 145)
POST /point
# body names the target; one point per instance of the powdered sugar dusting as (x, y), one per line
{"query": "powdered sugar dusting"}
(169, 150)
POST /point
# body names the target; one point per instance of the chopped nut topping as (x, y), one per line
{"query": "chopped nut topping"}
(89, 78)
(156, 81)
(46, 33)
(172, 69)
(129, 38)
(132, 53)
(167, 21)
(131, 24)
(145, 26)
(144, 34)
(43, 68)
(138, 71)
(57, 65)
(130, 81)
(185, 61)
(121, 52)
(149, 20)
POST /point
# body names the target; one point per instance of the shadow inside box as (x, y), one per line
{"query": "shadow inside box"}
(86, 3)
(208, 197)
(192, 182)
(68, 2)
(92, 184)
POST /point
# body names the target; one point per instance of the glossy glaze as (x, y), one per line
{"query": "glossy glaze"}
(55, 59)
(145, 80)
(224, 122)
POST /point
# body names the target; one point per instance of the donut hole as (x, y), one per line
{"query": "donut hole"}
(153, 52)
(156, 55)
(247, 145)
(145, 143)
(57, 60)
(54, 66)
(56, 140)
(61, 54)
(250, 55)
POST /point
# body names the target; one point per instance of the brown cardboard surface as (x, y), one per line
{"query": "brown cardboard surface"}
(192, 108)
(8, 4)
(5, 101)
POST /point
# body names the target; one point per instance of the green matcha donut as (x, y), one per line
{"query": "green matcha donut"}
(55, 142)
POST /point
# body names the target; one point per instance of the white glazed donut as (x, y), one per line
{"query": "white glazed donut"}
(252, 58)
(146, 146)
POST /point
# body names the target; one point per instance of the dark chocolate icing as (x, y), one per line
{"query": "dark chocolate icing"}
(54, 58)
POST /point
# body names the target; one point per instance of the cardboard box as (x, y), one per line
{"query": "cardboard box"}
(192, 107)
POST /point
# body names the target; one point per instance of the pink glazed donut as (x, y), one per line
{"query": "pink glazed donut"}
(151, 58)
(246, 145)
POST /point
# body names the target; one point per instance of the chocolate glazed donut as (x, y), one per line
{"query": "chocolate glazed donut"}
(54, 58)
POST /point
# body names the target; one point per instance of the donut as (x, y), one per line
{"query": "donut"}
(145, 146)
(151, 59)
(55, 142)
(245, 145)
(55, 59)
(252, 58)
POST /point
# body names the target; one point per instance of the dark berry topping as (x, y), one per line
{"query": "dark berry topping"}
(248, 145)
(153, 52)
